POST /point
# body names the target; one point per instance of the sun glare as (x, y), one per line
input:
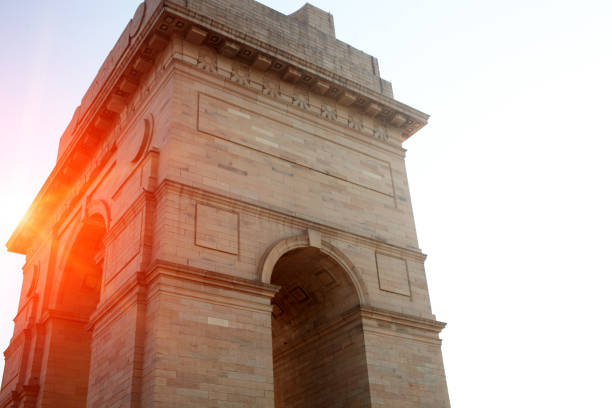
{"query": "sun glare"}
(12, 210)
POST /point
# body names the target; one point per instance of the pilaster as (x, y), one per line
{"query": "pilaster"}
(208, 340)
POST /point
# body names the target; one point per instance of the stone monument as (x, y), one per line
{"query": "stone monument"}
(228, 225)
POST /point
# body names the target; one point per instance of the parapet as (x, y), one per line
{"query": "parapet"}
(316, 18)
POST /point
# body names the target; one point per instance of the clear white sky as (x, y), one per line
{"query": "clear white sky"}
(510, 180)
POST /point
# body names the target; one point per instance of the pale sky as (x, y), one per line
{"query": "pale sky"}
(510, 180)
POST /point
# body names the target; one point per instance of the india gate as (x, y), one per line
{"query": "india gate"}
(228, 224)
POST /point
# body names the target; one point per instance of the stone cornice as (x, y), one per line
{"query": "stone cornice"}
(313, 114)
(387, 323)
(234, 43)
(213, 279)
(168, 278)
(401, 319)
(143, 285)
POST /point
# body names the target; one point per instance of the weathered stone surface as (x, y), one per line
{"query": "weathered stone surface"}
(227, 226)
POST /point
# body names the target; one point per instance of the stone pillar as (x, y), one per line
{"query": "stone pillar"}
(115, 376)
(404, 360)
(209, 340)
(65, 358)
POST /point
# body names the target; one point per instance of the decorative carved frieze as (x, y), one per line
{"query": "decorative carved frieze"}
(207, 60)
(240, 74)
(328, 112)
(380, 132)
(300, 100)
(355, 122)
(269, 84)
(271, 87)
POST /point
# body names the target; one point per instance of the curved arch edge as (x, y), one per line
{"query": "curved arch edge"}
(93, 209)
(274, 253)
(98, 207)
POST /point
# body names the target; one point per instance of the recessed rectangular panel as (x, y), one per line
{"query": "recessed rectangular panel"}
(393, 274)
(124, 247)
(217, 229)
(248, 126)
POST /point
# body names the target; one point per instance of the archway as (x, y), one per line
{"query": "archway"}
(318, 343)
(78, 296)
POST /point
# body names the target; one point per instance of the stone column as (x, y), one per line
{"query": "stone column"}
(209, 339)
(404, 360)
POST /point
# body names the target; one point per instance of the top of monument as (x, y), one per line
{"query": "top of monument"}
(315, 17)
(308, 34)
(300, 48)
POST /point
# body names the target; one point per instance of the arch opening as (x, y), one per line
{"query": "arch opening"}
(317, 336)
(80, 288)
(78, 297)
